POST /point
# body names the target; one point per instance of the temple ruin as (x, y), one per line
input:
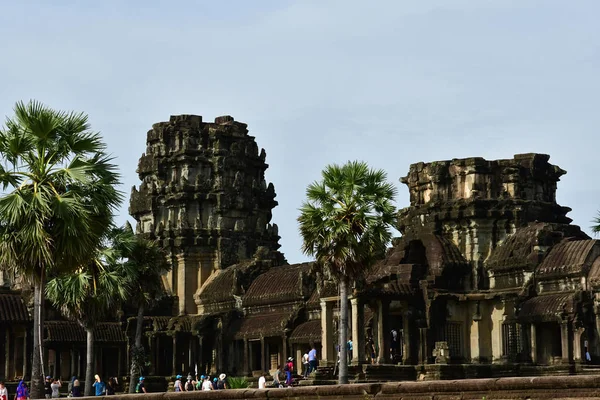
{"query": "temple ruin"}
(489, 277)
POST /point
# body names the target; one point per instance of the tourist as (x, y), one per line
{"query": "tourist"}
(276, 375)
(349, 347)
(111, 387)
(189, 386)
(222, 383)
(99, 386)
(206, 385)
(305, 364)
(289, 368)
(262, 381)
(70, 386)
(22, 391)
(199, 383)
(48, 387)
(312, 360)
(76, 389)
(214, 383)
(393, 344)
(54, 386)
(3, 391)
(141, 386)
(371, 349)
(177, 385)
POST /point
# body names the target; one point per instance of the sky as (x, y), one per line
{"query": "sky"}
(388, 82)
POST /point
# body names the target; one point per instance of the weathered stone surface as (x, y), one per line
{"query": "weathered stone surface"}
(204, 196)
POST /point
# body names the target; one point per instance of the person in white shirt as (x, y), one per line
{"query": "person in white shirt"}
(207, 385)
(262, 382)
(3, 391)
(305, 364)
(55, 385)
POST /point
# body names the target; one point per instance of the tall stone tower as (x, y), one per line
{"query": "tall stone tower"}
(203, 195)
(476, 203)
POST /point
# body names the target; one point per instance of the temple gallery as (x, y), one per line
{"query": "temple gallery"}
(488, 278)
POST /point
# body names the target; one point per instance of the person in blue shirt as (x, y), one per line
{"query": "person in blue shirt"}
(99, 386)
(312, 360)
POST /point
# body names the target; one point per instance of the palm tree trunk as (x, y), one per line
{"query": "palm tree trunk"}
(89, 365)
(343, 370)
(137, 353)
(37, 365)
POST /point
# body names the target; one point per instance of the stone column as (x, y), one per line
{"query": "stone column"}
(246, 367)
(406, 352)
(7, 353)
(577, 332)
(199, 357)
(328, 353)
(383, 331)
(533, 344)
(284, 355)
(358, 331)
(263, 356)
(564, 340)
(423, 346)
(174, 365)
(73, 368)
(25, 356)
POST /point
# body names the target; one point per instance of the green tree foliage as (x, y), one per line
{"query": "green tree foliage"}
(345, 225)
(59, 196)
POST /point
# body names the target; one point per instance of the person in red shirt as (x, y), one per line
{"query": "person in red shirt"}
(289, 368)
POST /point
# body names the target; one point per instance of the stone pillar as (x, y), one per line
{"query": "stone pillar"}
(577, 332)
(406, 328)
(25, 355)
(73, 368)
(564, 340)
(246, 366)
(328, 353)
(383, 331)
(475, 340)
(284, 349)
(533, 344)
(7, 353)
(263, 356)
(174, 365)
(358, 331)
(423, 346)
(199, 357)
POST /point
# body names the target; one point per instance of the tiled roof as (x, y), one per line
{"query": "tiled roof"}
(307, 332)
(68, 331)
(549, 307)
(520, 250)
(12, 308)
(266, 325)
(279, 284)
(569, 257)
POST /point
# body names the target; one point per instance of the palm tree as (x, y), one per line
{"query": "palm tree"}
(59, 195)
(596, 222)
(345, 225)
(90, 294)
(148, 263)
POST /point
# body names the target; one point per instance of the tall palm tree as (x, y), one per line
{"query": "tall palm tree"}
(344, 224)
(148, 263)
(92, 292)
(59, 195)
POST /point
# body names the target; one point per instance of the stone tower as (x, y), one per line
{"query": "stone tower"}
(203, 195)
(476, 203)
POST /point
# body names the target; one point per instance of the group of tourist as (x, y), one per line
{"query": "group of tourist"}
(203, 383)
(310, 361)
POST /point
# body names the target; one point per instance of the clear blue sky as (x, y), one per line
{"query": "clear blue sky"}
(388, 82)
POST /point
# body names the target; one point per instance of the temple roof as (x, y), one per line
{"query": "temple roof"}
(69, 331)
(269, 324)
(569, 257)
(522, 250)
(278, 285)
(13, 309)
(550, 307)
(307, 332)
